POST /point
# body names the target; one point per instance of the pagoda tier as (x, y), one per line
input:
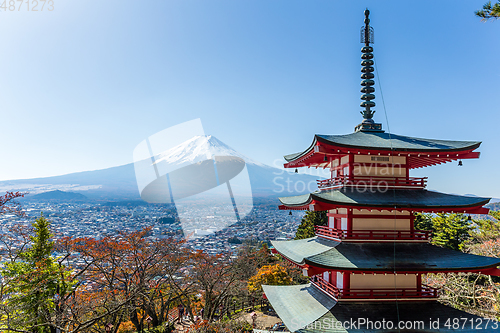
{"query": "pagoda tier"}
(382, 199)
(326, 150)
(318, 255)
(304, 309)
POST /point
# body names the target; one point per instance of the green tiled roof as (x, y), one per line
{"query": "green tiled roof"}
(299, 305)
(400, 198)
(297, 250)
(306, 309)
(387, 141)
(385, 256)
(339, 319)
(378, 140)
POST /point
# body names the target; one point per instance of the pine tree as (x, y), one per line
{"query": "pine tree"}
(309, 221)
(448, 230)
(423, 222)
(36, 283)
(451, 230)
(489, 11)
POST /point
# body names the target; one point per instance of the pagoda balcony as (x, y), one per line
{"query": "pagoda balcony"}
(326, 286)
(389, 293)
(364, 182)
(374, 293)
(372, 235)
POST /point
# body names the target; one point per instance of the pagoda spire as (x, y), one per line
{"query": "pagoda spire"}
(367, 75)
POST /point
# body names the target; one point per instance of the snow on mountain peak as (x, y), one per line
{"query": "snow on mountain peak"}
(197, 149)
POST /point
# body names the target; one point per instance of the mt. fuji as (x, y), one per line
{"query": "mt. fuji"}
(119, 183)
(200, 148)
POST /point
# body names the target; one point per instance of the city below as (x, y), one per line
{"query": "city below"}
(96, 220)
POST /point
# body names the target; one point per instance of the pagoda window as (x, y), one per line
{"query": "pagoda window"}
(392, 160)
(378, 170)
(381, 220)
(380, 224)
(383, 281)
(344, 225)
(340, 280)
(345, 171)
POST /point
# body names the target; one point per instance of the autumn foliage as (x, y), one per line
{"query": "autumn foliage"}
(8, 203)
(475, 293)
(273, 275)
(128, 281)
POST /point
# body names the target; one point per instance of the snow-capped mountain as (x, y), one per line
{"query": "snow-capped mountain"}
(119, 183)
(199, 148)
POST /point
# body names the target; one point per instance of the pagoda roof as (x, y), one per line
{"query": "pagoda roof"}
(309, 303)
(405, 312)
(414, 199)
(384, 257)
(306, 309)
(381, 142)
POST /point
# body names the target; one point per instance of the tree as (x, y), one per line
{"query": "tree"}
(487, 229)
(34, 282)
(215, 276)
(423, 222)
(309, 221)
(114, 279)
(471, 292)
(273, 275)
(489, 11)
(130, 276)
(448, 230)
(451, 231)
(8, 204)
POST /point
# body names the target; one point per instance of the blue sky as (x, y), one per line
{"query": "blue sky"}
(82, 85)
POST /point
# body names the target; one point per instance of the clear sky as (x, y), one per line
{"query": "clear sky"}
(82, 85)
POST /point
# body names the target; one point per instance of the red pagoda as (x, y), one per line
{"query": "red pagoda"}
(366, 266)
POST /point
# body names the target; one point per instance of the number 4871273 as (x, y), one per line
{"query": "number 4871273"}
(27, 5)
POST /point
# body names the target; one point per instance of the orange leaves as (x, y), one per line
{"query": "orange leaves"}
(274, 275)
(8, 205)
(129, 273)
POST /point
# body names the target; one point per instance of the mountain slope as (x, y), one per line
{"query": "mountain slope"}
(60, 195)
(119, 183)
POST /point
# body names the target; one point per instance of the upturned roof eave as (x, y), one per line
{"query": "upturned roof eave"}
(400, 269)
(291, 158)
(369, 257)
(326, 204)
(473, 145)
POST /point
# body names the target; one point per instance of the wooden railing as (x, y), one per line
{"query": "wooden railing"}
(384, 293)
(373, 181)
(326, 286)
(375, 293)
(327, 232)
